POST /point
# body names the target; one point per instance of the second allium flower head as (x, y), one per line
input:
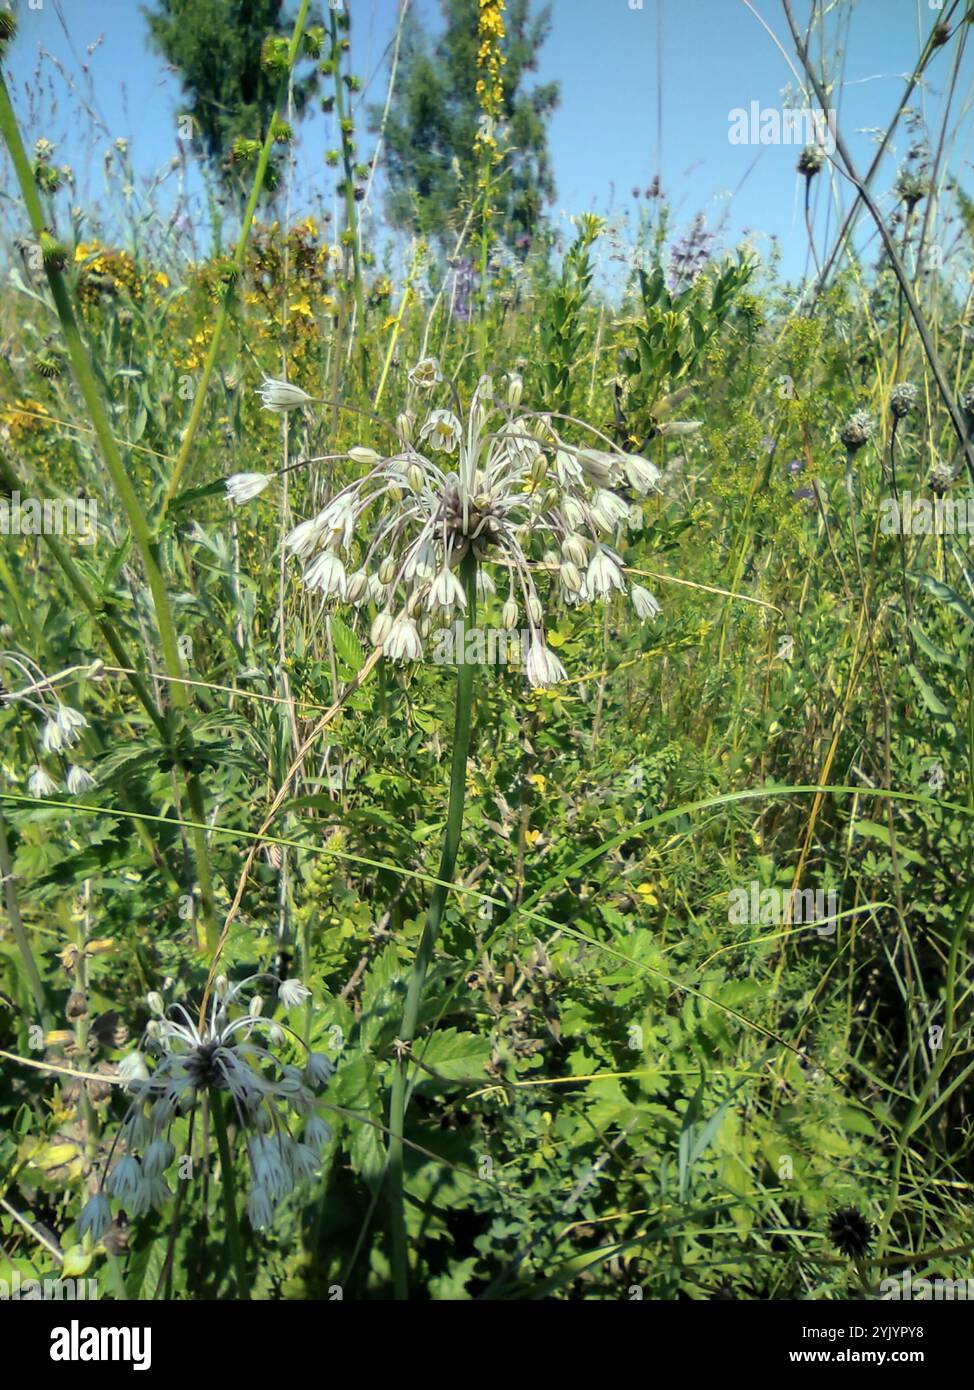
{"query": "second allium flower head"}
(230, 1053)
(501, 485)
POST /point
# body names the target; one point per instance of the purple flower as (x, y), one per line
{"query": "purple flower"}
(689, 256)
(461, 289)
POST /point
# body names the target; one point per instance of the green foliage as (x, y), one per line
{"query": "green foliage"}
(618, 1088)
(431, 161)
(228, 55)
(561, 329)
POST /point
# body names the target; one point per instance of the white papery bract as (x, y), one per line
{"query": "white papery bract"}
(227, 1053)
(244, 487)
(542, 666)
(280, 395)
(63, 729)
(645, 604)
(441, 431)
(80, 780)
(96, 1217)
(292, 993)
(495, 482)
(39, 783)
(426, 374)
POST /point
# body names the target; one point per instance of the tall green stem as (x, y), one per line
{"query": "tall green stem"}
(427, 945)
(87, 384)
(229, 1189)
(19, 930)
(351, 210)
(199, 400)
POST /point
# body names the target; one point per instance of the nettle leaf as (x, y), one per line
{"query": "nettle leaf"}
(354, 1088)
(382, 998)
(453, 1056)
(348, 649)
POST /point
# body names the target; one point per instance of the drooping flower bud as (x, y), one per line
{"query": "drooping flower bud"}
(360, 454)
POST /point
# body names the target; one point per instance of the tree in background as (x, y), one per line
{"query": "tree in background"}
(227, 55)
(431, 131)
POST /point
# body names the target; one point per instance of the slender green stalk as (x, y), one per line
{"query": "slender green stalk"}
(85, 377)
(228, 1188)
(88, 385)
(196, 413)
(87, 595)
(348, 167)
(919, 321)
(19, 930)
(427, 945)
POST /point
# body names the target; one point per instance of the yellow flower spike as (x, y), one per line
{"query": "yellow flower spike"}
(69, 957)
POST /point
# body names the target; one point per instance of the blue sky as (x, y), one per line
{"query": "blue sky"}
(689, 62)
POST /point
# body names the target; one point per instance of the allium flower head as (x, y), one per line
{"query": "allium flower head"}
(510, 491)
(441, 431)
(292, 993)
(645, 604)
(542, 667)
(228, 1054)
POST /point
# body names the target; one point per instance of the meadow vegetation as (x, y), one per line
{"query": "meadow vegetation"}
(328, 968)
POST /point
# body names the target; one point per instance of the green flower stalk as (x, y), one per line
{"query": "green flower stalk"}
(463, 718)
(85, 378)
(34, 981)
(351, 235)
(289, 58)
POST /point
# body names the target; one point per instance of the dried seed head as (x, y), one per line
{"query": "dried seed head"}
(857, 430)
(940, 478)
(850, 1232)
(902, 399)
(810, 160)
